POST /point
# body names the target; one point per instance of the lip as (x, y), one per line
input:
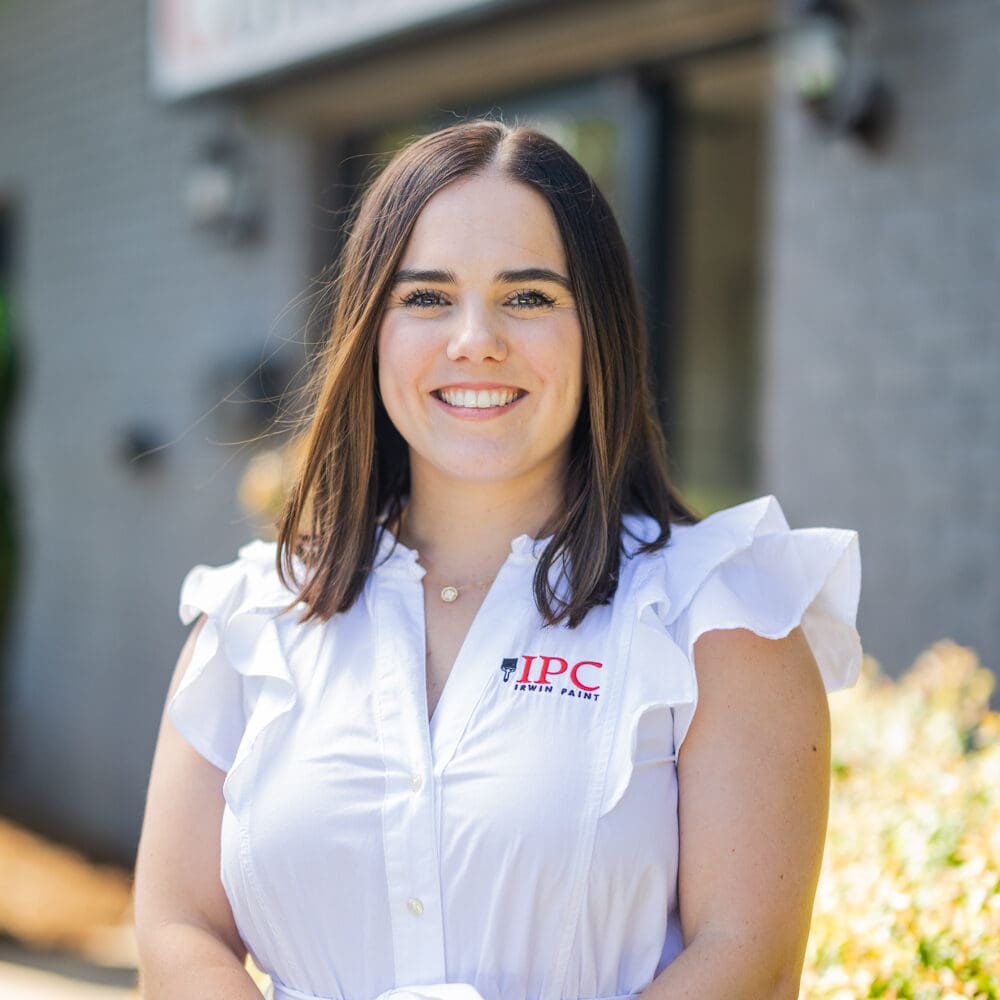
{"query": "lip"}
(470, 413)
(476, 386)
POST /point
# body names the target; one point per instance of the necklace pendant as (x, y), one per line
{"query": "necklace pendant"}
(449, 594)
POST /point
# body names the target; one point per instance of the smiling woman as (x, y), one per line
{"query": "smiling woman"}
(497, 718)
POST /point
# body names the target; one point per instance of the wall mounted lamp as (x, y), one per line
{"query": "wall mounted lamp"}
(221, 192)
(830, 75)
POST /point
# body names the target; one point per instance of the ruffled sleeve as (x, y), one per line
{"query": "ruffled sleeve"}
(745, 568)
(211, 706)
(740, 568)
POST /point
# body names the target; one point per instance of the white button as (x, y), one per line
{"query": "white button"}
(416, 782)
(415, 906)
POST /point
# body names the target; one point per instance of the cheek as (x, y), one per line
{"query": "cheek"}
(402, 364)
(393, 361)
(565, 366)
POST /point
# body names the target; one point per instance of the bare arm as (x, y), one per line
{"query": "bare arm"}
(189, 947)
(753, 778)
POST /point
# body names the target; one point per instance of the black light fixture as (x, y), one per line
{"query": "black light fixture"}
(830, 75)
(222, 195)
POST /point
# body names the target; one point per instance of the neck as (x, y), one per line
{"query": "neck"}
(463, 531)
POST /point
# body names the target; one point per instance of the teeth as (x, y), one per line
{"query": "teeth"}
(481, 399)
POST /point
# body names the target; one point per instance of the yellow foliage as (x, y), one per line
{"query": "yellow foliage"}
(908, 904)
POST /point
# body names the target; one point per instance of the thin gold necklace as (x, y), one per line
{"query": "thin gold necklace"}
(450, 592)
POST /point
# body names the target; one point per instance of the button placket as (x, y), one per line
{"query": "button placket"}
(408, 816)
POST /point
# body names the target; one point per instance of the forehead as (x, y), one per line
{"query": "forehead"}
(486, 218)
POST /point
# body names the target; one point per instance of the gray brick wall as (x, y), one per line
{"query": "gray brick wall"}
(124, 311)
(882, 356)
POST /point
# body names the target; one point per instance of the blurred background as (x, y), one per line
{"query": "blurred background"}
(810, 191)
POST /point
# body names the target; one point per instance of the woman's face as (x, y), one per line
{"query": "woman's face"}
(480, 352)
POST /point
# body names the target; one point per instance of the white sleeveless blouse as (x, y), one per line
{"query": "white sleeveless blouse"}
(523, 845)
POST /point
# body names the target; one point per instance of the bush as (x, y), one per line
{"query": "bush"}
(908, 904)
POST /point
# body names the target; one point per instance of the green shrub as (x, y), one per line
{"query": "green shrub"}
(908, 904)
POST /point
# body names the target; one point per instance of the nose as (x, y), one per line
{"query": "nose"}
(476, 336)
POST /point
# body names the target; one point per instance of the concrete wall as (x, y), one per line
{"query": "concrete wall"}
(124, 311)
(882, 355)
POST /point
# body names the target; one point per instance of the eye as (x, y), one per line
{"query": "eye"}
(424, 298)
(530, 298)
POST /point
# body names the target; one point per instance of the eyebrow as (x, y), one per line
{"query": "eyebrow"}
(532, 274)
(431, 276)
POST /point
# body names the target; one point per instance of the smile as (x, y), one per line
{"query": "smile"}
(478, 399)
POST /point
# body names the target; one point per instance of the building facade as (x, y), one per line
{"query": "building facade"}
(172, 183)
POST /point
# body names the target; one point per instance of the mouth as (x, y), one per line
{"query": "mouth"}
(479, 399)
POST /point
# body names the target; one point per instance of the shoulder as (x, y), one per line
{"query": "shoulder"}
(743, 579)
(767, 612)
(237, 605)
(752, 543)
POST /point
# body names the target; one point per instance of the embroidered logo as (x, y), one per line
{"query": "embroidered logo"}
(576, 681)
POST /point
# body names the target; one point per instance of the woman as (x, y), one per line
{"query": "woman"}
(442, 741)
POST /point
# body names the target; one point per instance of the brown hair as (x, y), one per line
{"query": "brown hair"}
(355, 468)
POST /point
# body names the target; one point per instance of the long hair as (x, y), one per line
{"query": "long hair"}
(354, 477)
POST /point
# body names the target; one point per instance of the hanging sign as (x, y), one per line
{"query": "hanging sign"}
(201, 45)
